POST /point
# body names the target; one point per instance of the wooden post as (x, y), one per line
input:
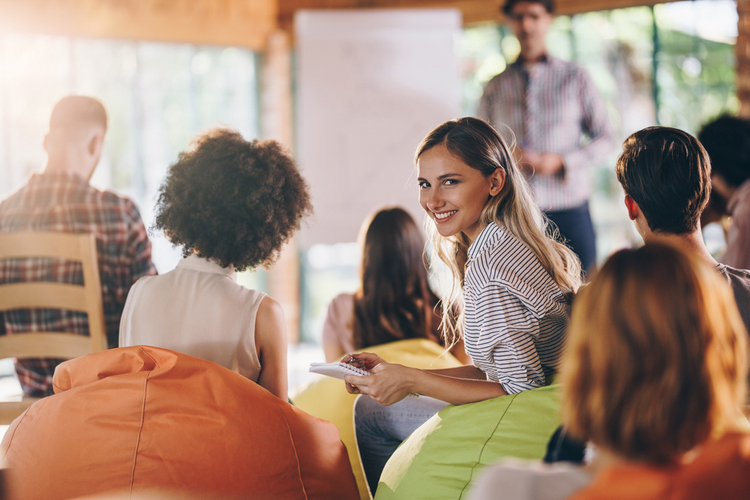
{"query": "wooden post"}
(742, 49)
(277, 123)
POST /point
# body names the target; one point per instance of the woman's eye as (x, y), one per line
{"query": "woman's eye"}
(450, 182)
(423, 185)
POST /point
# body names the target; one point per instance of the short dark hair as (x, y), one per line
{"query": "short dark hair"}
(549, 5)
(232, 201)
(727, 141)
(667, 172)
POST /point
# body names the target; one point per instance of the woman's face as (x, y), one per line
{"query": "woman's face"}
(453, 193)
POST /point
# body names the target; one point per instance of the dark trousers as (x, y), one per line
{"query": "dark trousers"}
(577, 230)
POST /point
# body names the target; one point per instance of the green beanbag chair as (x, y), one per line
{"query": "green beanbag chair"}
(441, 458)
(326, 398)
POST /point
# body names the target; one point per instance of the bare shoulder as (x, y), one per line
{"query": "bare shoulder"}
(269, 321)
(269, 311)
(270, 307)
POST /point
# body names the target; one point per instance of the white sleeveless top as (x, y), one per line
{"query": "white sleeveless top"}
(196, 309)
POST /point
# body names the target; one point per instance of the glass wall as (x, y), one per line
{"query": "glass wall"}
(671, 65)
(158, 95)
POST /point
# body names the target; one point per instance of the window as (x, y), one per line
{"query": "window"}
(157, 95)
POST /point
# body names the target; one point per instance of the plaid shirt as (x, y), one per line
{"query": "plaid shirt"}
(67, 203)
(551, 109)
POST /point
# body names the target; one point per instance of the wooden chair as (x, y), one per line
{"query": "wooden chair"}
(43, 294)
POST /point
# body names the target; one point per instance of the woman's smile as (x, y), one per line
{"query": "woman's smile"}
(443, 216)
(451, 192)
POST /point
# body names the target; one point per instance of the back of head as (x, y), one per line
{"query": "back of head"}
(656, 356)
(76, 112)
(727, 141)
(667, 172)
(549, 5)
(393, 249)
(395, 300)
(233, 201)
(75, 139)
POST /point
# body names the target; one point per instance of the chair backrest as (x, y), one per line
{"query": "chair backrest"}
(50, 295)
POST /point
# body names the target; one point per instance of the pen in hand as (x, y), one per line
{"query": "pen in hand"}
(353, 361)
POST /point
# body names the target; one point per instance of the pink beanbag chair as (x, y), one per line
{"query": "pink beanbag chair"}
(139, 418)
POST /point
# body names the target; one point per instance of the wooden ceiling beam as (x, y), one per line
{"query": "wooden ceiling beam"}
(242, 23)
(474, 11)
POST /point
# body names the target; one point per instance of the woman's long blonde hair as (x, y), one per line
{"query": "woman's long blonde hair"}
(479, 146)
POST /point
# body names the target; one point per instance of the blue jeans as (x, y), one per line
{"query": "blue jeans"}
(381, 429)
(576, 227)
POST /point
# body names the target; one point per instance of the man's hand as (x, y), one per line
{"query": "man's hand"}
(540, 163)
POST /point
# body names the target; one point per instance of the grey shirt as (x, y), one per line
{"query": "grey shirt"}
(739, 279)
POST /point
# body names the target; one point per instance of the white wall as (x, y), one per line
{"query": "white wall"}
(370, 86)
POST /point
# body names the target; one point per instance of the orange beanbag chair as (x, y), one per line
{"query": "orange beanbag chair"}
(138, 418)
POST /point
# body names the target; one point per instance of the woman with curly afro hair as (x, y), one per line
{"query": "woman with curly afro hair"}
(231, 204)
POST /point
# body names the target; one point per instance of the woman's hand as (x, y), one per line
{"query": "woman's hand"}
(364, 360)
(388, 384)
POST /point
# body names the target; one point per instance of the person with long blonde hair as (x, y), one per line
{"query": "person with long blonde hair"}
(654, 376)
(512, 282)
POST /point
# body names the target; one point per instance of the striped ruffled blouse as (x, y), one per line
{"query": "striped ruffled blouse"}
(516, 315)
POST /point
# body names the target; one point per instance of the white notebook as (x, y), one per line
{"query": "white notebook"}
(337, 370)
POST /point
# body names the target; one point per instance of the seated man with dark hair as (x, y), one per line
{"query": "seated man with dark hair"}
(666, 175)
(727, 141)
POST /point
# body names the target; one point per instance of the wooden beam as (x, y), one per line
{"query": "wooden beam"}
(478, 11)
(742, 49)
(277, 123)
(474, 11)
(243, 23)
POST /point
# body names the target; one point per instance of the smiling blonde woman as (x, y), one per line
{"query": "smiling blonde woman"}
(511, 280)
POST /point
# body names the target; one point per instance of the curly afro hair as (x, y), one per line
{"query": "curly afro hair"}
(232, 201)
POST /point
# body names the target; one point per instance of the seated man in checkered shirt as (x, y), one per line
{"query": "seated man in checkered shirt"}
(61, 199)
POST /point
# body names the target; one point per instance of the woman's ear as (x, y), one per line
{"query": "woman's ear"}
(497, 181)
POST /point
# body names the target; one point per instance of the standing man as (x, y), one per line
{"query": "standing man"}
(61, 199)
(559, 121)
